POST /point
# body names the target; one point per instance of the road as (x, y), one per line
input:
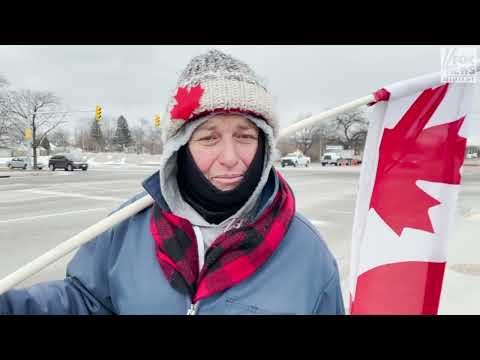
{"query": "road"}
(39, 212)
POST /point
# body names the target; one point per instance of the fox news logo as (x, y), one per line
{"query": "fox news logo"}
(458, 65)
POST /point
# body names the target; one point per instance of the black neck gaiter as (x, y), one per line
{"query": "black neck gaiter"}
(213, 204)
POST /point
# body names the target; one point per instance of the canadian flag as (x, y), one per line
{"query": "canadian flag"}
(407, 195)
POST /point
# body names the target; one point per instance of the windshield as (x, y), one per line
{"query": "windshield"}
(327, 157)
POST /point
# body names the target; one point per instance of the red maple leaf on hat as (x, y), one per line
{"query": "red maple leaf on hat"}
(408, 153)
(187, 102)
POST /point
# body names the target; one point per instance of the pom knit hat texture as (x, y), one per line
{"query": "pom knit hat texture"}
(216, 82)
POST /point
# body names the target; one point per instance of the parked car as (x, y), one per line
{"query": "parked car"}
(21, 162)
(295, 160)
(18, 163)
(68, 162)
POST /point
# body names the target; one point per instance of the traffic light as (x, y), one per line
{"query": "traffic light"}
(157, 120)
(98, 113)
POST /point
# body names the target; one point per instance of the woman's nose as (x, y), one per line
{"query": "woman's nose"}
(229, 154)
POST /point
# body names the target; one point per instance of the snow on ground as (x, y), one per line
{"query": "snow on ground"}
(101, 159)
(120, 159)
(92, 163)
(116, 162)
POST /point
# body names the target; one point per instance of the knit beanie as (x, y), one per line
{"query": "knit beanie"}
(216, 82)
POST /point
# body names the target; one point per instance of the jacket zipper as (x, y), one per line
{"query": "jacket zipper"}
(193, 309)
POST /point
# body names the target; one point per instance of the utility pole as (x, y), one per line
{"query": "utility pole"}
(34, 138)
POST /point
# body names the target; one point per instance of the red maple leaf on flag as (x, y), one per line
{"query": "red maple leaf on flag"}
(408, 153)
(187, 102)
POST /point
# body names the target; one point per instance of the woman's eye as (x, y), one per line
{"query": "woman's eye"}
(248, 137)
(208, 138)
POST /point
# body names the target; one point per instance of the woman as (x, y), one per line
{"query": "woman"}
(222, 237)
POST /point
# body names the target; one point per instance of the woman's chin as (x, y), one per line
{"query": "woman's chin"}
(225, 187)
(226, 184)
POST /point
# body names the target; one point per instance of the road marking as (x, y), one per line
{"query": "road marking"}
(90, 183)
(51, 215)
(85, 187)
(319, 222)
(14, 184)
(16, 200)
(314, 198)
(4, 187)
(142, 170)
(323, 222)
(133, 190)
(340, 212)
(82, 196)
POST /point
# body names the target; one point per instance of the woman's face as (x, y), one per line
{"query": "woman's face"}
(223, 148)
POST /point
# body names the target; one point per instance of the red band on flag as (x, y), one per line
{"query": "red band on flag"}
(408, 288)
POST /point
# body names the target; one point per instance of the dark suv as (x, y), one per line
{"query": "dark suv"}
(68, 162)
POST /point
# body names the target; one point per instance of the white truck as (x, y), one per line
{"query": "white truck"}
(340, 157)
(295, 159)
(330, 158)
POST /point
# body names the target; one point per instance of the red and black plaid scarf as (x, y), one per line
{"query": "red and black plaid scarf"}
(233, 256)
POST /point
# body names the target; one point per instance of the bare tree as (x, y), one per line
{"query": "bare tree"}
(285, 145)
(37, 110)
(142, 135)
(153, 141)
(350, 129)
(4, 130)
(96, 135)
(138, 135)
(59, 137)
(305, 138)
(81, 138)
(4, 124)
(108, 126)
(302, 139)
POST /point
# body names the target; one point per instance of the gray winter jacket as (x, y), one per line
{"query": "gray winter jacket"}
(118, 273)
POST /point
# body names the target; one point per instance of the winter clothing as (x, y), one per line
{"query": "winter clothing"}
(260, 256)
(216, 81)
(212, 204)
(234, 256)
(118, 273)
(174, 199)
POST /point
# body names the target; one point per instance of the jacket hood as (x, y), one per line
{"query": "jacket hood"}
(168, 171)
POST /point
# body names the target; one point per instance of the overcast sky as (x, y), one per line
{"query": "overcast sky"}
(135, 81)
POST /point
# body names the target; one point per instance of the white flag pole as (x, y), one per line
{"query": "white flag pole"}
(314, 120)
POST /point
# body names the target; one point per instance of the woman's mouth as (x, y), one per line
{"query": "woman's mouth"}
(227, 180)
